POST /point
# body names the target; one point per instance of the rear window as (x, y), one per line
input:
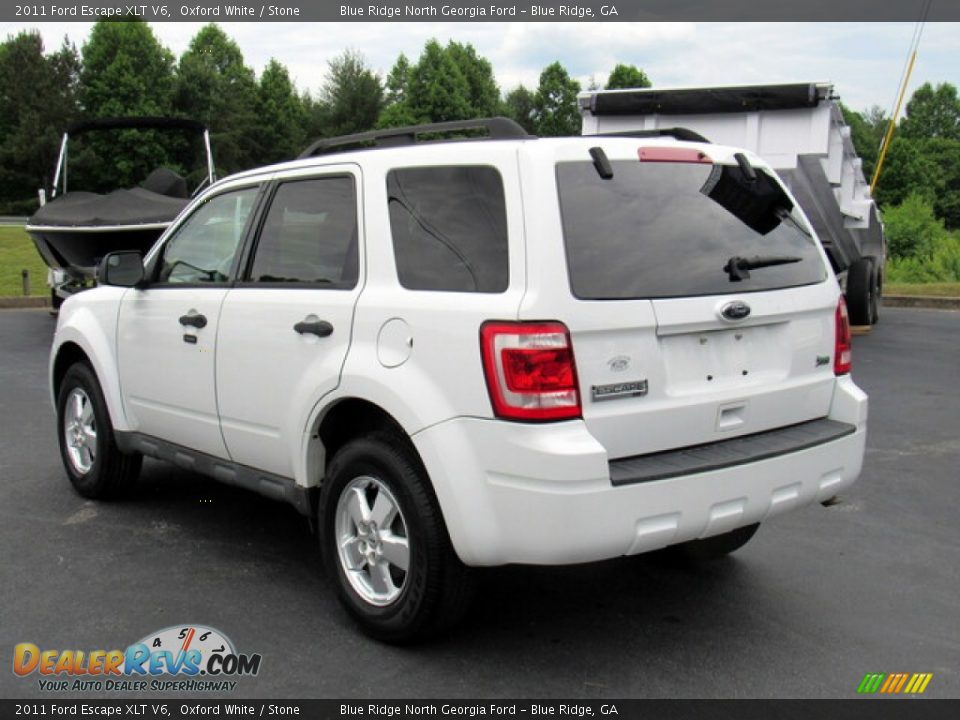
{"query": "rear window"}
(661, 229)
(449, 228)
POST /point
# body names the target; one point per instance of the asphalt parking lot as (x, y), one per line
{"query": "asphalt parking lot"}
(815, 601)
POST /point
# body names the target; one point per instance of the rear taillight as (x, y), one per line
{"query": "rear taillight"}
(842, 354)
(530, 370)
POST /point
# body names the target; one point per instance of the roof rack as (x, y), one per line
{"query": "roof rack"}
(498, 128)
(679, 133)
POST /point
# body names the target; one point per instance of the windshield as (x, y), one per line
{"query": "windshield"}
(663, 229)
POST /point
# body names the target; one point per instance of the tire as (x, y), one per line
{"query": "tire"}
(95, 465)
(716, 547)
(876, 290)
(380, 476)
(55, 300)
(861, 291)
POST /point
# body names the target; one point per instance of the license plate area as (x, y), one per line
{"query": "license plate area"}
(703, 361)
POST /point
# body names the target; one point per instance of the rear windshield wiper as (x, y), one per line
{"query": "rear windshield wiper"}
(738, 268)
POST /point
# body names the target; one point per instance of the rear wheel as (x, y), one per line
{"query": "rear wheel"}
(384, 541)
(718, 546)
(876, 290)
(861, 291)
(95, 465)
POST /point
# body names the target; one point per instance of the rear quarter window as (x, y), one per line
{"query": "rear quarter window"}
(449, 227)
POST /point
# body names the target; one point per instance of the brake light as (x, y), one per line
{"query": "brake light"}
(673, 154)
(530, 370)
(842, 349)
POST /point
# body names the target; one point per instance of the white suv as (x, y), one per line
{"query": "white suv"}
(476, 352)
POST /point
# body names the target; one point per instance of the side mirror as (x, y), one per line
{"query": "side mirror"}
(123, 269)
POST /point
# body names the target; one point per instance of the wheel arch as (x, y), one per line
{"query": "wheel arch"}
(92, 347)
(341, 421)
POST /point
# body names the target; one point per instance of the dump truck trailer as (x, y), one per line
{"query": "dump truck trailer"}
(799, 130)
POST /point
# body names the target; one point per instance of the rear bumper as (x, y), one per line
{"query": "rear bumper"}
(542, 494)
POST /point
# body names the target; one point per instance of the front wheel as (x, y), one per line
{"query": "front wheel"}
(95, 465)
(384, 541)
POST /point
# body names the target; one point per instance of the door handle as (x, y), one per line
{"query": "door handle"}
(320, 328)
(195, 320)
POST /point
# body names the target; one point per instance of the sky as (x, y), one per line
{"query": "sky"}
(864, 60)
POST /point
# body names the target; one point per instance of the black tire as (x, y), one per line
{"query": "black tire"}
(716, 547)
(876, 290)
(55, 300)
(110, 471)
(435, 589)
(861, 289)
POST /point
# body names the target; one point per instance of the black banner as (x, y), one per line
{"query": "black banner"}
(480, 10)
(891, 709)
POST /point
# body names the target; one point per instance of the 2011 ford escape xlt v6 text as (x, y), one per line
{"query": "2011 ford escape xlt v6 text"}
(458, 354)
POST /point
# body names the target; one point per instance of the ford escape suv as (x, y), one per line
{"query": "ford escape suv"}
(469, 353)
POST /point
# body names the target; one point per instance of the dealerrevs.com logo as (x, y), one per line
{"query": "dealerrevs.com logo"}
(186, 658)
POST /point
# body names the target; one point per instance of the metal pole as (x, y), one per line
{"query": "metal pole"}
(25, 278)
(893, 124)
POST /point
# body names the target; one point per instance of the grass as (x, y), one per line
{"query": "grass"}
(18, 253)
(937, 289)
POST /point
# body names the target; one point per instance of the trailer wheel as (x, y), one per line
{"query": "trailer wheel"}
(861, 291)
(55, 300)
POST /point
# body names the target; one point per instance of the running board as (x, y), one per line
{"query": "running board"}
(275, 487)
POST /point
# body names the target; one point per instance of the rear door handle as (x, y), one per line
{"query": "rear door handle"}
(320, 328)
(195, 320)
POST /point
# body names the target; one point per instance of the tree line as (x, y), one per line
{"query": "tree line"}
(122, 69)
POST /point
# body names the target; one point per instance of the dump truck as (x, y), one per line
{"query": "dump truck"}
(799, 129)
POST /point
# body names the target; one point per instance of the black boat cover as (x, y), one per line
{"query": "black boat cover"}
(706, 100)
(136, 206)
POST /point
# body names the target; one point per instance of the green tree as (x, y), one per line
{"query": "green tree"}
(280, 115)
(519, 106)
(39, 95)
(125, 72)
(214, 86)
(398, 81)
(627, 76)
(906, 170)
(438, 89)
(483, 93)
(353, 95)
(866, 130)
(555, 103)
(926, 167)
(933, 113)
(446, 83)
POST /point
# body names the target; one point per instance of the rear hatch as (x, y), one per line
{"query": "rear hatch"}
(698, 300)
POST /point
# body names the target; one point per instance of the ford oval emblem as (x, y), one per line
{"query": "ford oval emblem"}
(736, 310)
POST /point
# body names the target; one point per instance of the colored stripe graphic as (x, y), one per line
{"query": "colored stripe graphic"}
(894, 683)
(871, 683)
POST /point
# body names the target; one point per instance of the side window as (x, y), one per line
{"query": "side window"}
(310, 234)
(203, 248)
(449, 227)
